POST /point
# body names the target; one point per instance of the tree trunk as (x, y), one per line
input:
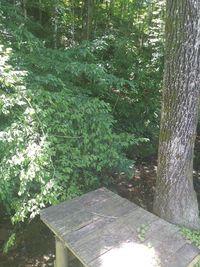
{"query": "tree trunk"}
(175, 199)
(55, 28)
(89, 21)
(24, 2)
(111, 9)
(40, 12)
(73, 20)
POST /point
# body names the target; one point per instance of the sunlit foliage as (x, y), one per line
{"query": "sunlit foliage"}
(79, 90)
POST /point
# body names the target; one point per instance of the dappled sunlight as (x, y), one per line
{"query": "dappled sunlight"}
(131, 255)
(25, 165)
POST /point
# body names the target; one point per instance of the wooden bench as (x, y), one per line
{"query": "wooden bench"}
(102, 229)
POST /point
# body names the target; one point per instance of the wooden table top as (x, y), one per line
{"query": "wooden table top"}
(103, 229)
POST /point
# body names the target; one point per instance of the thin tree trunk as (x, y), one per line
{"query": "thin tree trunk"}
(24, 2)
(122, 11)
(40, 12)
(73, 22)
(83, 16)
(89, 22)
(95, 19)
(111, 9)
(55, 30)
(175, 198)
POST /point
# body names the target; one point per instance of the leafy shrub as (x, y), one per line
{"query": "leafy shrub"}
(68, 117)
(56, 137)
(191, 235)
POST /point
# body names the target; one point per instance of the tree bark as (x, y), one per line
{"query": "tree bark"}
(72, 6)
(175, 199)
(111, 9)
(40, 12)
(55, 27)
(24, 3)
(89, 21)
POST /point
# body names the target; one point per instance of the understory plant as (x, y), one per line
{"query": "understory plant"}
(70, 115)
(57, 139)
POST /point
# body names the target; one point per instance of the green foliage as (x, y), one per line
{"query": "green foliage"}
(141, 231)
(19, 33)
(191, 235)
(70, 116)
(128, 77)
(57, 138)
(9, 244)
(58, 143)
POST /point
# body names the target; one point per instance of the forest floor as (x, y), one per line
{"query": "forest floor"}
(37, 246)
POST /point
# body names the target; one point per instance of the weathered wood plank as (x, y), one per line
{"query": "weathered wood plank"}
(85, 213)
(114, 209)
(103, 241)
(194, 262)
(183, 257)
(165, 242)
(122, 230)
(103, 230)
(165, 238)
(61, 218)
(104, 215)
(128, 254)
(66, 208)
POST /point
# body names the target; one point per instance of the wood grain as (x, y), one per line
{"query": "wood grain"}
(103, 230)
